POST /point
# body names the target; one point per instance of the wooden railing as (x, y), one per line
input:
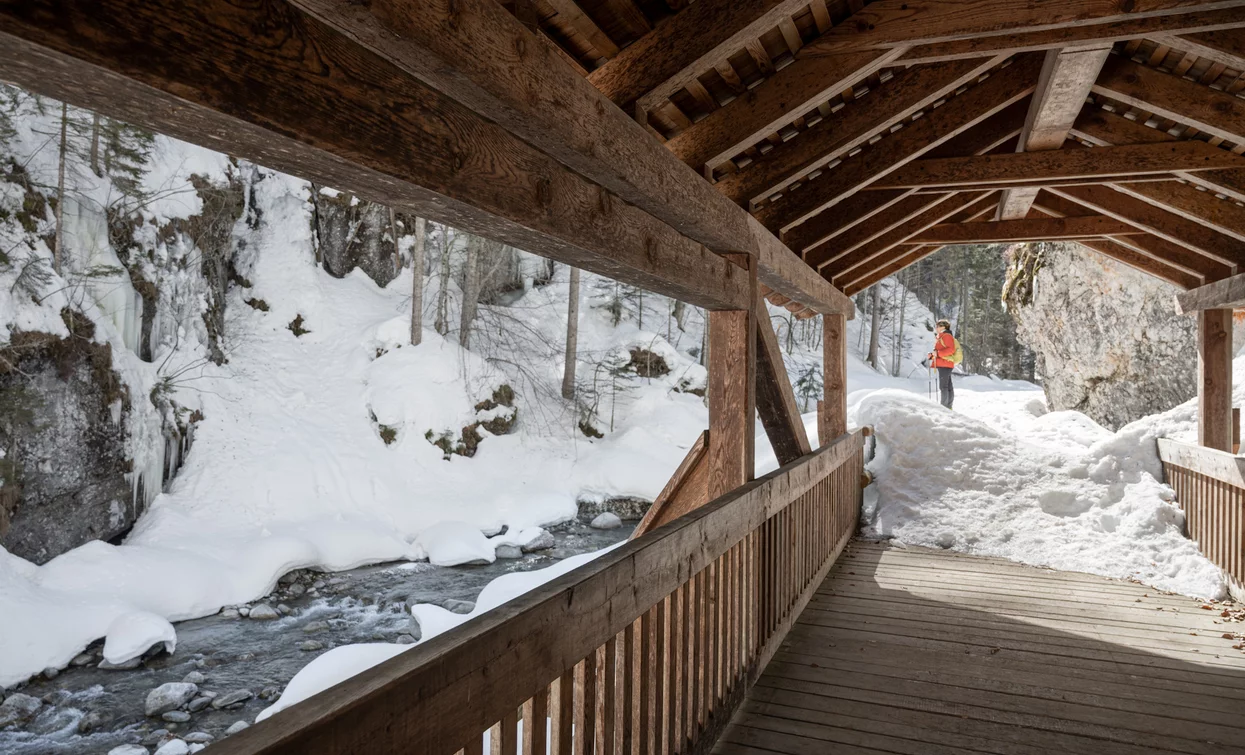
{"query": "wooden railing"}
(647, 649)
(1210, 486)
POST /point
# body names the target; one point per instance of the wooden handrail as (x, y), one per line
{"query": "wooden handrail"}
(665, 632)
(1210, 487)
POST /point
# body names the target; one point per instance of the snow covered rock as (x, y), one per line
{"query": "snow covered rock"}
(458, 606)
(169, 696)
(541, 541)
(606, 521)
(129, 750)
(132, 634)
(507, 551)
(18, 708)
(455, 543)
(173, 747)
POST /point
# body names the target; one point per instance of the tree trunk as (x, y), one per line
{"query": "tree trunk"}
(471, 289)
(95, 146)
(572, 337)
(897, 360)
(443, 278)
(875, 322)
(59, 252)
(680, 314)
(417, 283)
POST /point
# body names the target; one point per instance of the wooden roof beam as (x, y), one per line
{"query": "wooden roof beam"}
(1190, 264)
(227, 77)
(1061, 165)
(1225, 46)
(891, 23)
(1211, 110)
(895, 150)
(1014, 231)
(1228, 293)
(860, 234)
(688, 44)
(1160, 222)
(774, 103)
(1045, 39)
(998, 132)
(907, 92)
(1067, 75)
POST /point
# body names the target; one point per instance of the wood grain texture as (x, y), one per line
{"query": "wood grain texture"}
(266, 82)
(832, 415)
(1183, 101)
(901, 257)
(1214, 374)
(904, 22)
(1225, 46)
(1059, 165)
(907, 92)
(790, 93)
(479, 55)
(692, 42)
(1033, 229)
(1228, 293)
(782, 271)
(1110, 31)
(732, 399)
(1162, 223)
(958, 115)
(860, 234)
(775, 399)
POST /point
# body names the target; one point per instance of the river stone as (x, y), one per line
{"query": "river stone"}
(509, 551)
(236, 727)
(51, 672)
(237, 697)
(264, 612)
(173, 747)
(18, 708)
(459, 606)
(296, 589)
(543, 541)
(90, 722)
(194, 677)
(176, 716)
(198, 737)
(606, 521)
(82, 659)
(310, 645)
(169, 696)
(283, 609)
(129, 665)
(128, 750)
(156, 737)
(198, 704)
(316, 626)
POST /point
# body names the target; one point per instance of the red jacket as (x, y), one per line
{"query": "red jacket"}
(944, 347)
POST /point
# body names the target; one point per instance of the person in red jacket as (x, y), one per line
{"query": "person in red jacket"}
(944, 347)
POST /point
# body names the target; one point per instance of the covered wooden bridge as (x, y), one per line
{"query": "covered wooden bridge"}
(720, 151)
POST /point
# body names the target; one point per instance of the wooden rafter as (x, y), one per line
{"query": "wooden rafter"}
(1183, 101)
(897, 23)
(782, 98)
(695, 40)
(1223, 46)
(958, 115)
(1157, 221)
(909, 256)
(368, 127)
(1061, 165)
(1110, 31)
(907, 92)
(848, 214)
(1011, 231)
(1228, 293)
(860, 234)
(1067, 74)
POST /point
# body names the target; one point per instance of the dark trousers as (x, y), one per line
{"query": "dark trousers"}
(946, 391)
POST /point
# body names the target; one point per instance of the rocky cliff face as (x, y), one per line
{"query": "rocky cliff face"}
(1107, 338)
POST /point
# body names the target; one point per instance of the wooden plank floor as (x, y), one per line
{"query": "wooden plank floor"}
(911, 650)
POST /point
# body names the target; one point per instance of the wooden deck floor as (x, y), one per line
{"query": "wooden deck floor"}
(909, 650)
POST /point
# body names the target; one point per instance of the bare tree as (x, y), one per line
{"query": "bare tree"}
(471, 289)
(572, 337)
(875, 323)
(417, 285)
(95, 146)
(59, 252)
(443, 279)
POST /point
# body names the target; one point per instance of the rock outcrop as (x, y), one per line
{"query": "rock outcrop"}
(1108, 340)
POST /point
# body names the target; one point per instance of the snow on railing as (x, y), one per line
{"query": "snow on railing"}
(647, 649)
(1210, 486)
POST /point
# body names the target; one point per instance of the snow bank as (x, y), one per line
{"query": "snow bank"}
(1077, 499)
(341, 663)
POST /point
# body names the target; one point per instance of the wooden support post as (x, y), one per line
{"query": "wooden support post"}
(732, 393)
(775, 399)
(1214, 367)
(832, 412)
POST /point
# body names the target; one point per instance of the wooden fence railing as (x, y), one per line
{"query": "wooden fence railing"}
(1210, 486)
(647, 649)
